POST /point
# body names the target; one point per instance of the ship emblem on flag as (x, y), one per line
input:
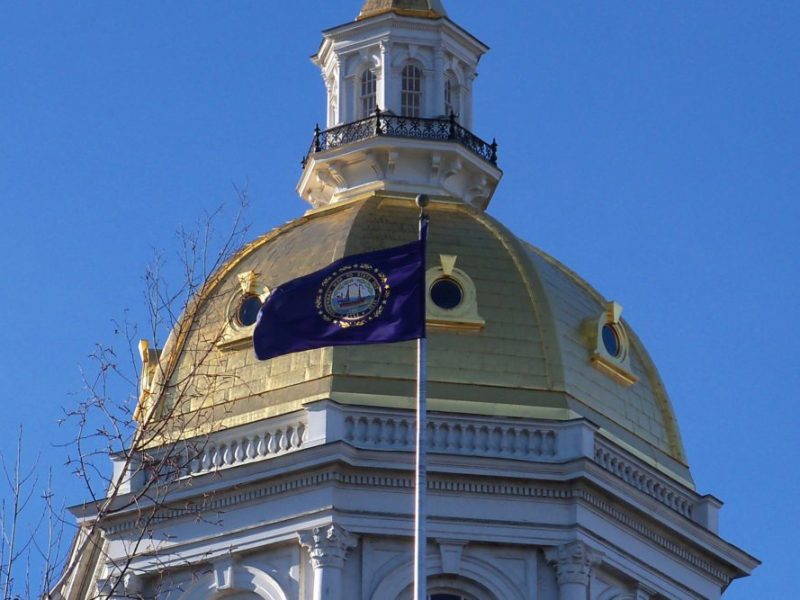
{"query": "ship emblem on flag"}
(371, 298)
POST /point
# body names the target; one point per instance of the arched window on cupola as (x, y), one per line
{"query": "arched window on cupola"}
(369, 93)
(452, 96)
(411, 92)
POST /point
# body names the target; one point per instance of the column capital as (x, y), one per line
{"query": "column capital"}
(327, 545)
(573, 562)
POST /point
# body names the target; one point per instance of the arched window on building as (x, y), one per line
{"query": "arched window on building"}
(369, 91)
(411, 96)
(452, 587)
(452, 96)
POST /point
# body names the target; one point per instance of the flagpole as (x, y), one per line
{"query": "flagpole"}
(421, 486)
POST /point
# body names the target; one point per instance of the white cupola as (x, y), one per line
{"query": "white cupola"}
(399, 109)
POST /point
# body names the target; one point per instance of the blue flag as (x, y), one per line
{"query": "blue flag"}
(369, 298)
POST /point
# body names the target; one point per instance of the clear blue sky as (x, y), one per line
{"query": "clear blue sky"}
(651, 146)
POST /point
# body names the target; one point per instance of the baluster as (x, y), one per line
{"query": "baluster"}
(205, 462)
(468, 443)
(524, 441)
(239, 454)
(361, 430)
(439, 435)
(508, 441)
(482, 439)
(389, 433)
(456, 435)
(551, 443)
(283, 440)
(375, 433)
(402, 434)
(261, 446)
(536, 447)
(227, 456)
(496, 438)
(294, 441)
(216, 459)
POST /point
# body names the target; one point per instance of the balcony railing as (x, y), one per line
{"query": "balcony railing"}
(389, 125)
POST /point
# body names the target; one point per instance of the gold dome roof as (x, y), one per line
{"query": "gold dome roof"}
(431, 9)
(528, 360)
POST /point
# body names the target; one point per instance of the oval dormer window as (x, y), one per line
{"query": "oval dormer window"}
(446, 293)
(247, 312)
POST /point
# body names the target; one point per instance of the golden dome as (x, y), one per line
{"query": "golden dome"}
(529, 359)
(431, 9)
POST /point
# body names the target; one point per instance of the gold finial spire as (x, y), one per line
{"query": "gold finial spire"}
(431, 9)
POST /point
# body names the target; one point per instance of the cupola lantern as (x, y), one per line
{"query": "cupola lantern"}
(399, 109)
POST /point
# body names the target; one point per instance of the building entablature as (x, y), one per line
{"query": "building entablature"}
(369, 505)
(349, 457)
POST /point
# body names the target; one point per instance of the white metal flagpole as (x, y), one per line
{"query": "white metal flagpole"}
(421, 487)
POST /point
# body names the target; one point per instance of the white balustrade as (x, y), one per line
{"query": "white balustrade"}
(453, 436)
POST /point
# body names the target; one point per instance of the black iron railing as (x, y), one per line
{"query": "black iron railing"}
(389, 125)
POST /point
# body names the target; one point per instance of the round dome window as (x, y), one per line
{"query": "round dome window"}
(611, 341)
(446, 293)
(247, 313)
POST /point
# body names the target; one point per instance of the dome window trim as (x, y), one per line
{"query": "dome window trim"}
(609, 345)
(238, 331)
(461, 315)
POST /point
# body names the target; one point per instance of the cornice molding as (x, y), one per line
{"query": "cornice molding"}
(567, 492)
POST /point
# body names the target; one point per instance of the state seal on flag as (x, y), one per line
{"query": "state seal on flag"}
(371, 298)
(353, 295)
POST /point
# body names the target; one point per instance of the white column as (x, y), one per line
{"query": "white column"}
(391, 75)
(573, 563)
(328, 548)
(438, 83)
(466, 99)
(332, 89)
(383, 78)
(342, 95)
